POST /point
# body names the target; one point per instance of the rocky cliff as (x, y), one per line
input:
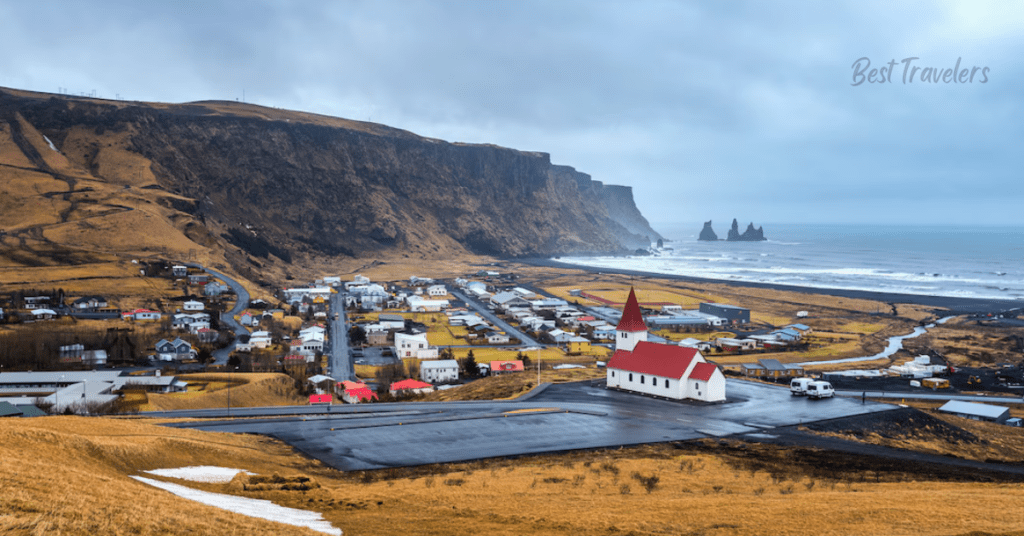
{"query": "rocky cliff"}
(297, 182)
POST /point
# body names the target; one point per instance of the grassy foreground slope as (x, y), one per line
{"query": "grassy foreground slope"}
(70, 475)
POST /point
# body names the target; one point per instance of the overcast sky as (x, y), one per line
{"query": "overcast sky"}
(708, 110)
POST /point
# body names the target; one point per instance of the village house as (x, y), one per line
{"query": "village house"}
(36, 302)
(439, 371)
(437, 290)
(420, 305)
(198, 279)
(176, 350)
(246, 319)
(214, 289)
(356, 392)
(505, 367)
(43, 314)
(414, 346)
(179, 271)
(577, 345)
(259, 339)
(142, 315)
(410, 386)
(193, 305)
(659, 369)
(206, 335)
(497, 338)
(89, 303)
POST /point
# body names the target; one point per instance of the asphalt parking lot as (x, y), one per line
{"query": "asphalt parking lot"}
(559, 418)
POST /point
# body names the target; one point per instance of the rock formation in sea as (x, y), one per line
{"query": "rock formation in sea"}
(752, 234)
(707, 233)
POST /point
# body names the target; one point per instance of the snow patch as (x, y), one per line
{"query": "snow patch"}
(257, 508)
(50, 143)
(201, 473)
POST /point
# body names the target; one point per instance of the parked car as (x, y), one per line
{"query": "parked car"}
(820, 389)
(798, 387)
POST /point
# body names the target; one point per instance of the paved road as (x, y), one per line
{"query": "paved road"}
(562, 417)
(340, 361)
(492, 318)
(220, 357)
(890, 395)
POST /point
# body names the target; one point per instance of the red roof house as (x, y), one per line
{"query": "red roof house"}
(358, 394)
(415, 386)
(499, 367)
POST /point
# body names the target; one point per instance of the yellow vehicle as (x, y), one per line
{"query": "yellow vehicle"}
(935, 383)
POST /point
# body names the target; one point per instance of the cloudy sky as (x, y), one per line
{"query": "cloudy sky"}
(709, 110)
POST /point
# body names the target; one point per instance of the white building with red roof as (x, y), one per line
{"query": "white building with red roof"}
(659, 369)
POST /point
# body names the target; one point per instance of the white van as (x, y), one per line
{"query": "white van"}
(798, 387)
(820, 389)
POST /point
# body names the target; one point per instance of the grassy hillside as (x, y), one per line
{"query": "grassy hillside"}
(70, 476)
(211, 391)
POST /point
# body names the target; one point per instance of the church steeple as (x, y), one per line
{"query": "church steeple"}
(631, 328)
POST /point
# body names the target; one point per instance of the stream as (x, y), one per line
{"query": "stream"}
(895, 345)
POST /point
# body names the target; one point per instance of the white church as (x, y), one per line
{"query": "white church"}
(659, 369)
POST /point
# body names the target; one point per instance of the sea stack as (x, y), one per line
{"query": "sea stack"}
(752, 234)
(707, 233)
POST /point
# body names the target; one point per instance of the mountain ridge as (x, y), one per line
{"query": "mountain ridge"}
(315, 185)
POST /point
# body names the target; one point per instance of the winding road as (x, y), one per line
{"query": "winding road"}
(220, 357)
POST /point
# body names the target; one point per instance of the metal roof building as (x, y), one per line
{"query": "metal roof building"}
(978, 412)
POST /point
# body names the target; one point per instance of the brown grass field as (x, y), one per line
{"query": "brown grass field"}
(210, 390)
(69, 475)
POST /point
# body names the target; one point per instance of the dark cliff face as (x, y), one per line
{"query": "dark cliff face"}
(353, 191)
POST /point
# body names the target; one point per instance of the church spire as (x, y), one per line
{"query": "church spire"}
(632, 320)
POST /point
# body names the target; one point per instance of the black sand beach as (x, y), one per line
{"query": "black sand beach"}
(953, 304)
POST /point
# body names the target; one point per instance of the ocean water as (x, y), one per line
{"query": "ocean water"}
(968, 262)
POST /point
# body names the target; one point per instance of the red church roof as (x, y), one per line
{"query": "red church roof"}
(656, 359)
(703, 371)
(632, 320)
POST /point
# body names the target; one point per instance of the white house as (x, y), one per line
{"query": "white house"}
(497, 338)
(414, 346)
(437, 290)
(44, 314)
(259, 339)
(391, 321)
(439, 371)
(193, 305)
(659, 369)
(141, 315)
(179, 270)
(420, 305)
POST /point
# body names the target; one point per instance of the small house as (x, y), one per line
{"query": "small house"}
(505, 367)
(439, 371)
(410, 386)
(193, 305)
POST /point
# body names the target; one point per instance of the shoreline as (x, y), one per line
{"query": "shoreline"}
(953, 304)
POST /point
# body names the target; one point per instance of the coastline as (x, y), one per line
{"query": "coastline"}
(953, 304)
